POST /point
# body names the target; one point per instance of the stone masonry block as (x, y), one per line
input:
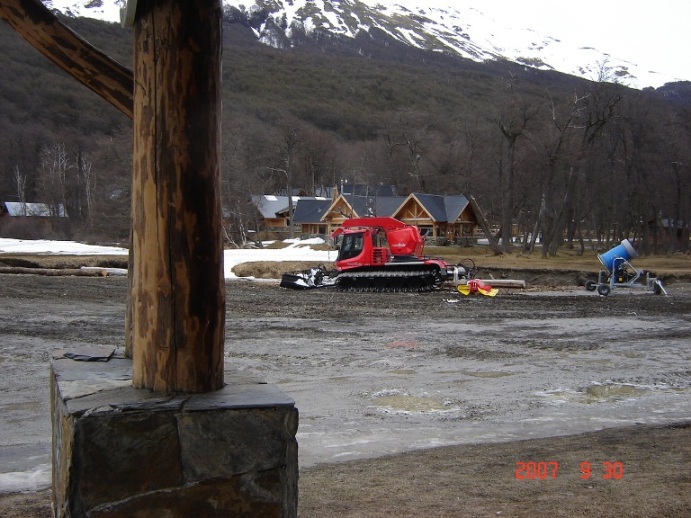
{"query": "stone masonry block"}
(123, 452)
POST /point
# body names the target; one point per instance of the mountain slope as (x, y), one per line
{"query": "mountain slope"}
(368, 108)
(446, 26)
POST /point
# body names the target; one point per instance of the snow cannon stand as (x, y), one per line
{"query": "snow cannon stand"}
(618, 272)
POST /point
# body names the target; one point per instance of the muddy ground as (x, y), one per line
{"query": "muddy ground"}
(415, 404)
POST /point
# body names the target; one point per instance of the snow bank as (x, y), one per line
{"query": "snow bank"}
(44, 247)
(297, 250)
(34, 480)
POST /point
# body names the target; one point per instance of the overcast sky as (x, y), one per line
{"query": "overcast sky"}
(654, 34)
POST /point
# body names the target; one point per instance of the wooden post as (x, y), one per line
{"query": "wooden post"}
(177, 291)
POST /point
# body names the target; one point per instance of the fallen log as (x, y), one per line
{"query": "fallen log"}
(91, 272)
(501, 283)
(119, 272)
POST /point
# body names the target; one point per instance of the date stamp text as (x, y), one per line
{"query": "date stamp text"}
(549, 469)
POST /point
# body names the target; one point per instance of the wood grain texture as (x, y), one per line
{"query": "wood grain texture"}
(177, 292)
(91, 67)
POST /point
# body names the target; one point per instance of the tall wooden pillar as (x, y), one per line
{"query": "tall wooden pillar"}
(177, 291)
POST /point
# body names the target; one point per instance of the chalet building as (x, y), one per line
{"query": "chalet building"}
(274, 210)
(670, 233)
(29, 220)
(441, 218)
(309, 216)
(31, 210)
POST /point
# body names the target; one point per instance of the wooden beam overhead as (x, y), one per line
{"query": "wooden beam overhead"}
(97, 71)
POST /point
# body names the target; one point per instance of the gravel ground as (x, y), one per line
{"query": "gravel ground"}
(377, 374)
(382, 374)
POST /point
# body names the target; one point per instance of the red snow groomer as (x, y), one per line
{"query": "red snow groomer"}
(380, 254)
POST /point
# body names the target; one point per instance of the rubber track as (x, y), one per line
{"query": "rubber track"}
(411, 281)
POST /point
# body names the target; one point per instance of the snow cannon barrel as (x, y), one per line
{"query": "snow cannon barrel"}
(624, 251)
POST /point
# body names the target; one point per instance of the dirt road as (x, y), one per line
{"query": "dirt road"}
(378, 374)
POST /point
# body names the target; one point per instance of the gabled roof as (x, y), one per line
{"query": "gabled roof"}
(360, 189)
(41, 210)
(455, 205)
(271, 206)
(442, 208)
(364, 206)
(310, 210)
(387, 205)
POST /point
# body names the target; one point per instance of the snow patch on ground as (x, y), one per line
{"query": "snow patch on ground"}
(296, 250)
(34, 480)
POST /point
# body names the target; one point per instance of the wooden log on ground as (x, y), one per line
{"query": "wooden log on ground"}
(501, 283)
(90, 272)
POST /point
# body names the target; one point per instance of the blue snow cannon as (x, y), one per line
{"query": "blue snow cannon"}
(624, 251)
(617, 272)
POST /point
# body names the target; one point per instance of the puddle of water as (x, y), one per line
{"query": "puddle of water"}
(629, 354)
(598, 393)
(402, 402)
(401, 344)
(486, 374)
(609, 392)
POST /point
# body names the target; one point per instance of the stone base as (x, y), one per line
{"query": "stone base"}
(123, 452)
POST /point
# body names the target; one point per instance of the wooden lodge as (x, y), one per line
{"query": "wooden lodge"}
(440, 218)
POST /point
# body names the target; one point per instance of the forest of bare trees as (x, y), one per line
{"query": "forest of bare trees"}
(556, 163)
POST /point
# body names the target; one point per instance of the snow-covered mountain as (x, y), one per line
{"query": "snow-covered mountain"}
(451, 26)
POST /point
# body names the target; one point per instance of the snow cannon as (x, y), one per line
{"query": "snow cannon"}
(624, 251)
(618, 272)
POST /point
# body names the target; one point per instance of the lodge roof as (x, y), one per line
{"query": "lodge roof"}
(364, 206)
(40, 210)
(442, 208)
(310, 210)
(271, 206)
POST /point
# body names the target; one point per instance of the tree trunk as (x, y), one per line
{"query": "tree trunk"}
(538, 224)
(507, 200)
(484, 225)
(177, 292)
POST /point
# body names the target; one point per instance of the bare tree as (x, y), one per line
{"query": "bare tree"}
(20, 181)
(317, 158)
(410, 134)
(514, 121)
(554, 142)
(289, 141)
(53, 178)
(88, 181)
(245, 155)
(588, 118)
